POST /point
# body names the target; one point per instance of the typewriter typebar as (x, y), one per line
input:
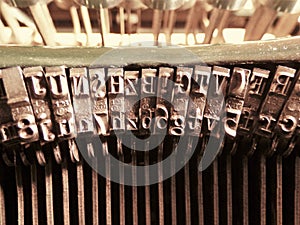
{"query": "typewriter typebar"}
(81, 130)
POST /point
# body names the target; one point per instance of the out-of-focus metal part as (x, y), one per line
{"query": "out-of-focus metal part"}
(291, 6)
(170, 23)
(12, 15)
(156, 24)
(2, 35)
(86, 23)
(163, 4)
(158, 6)
(227, 4)
(197, 14)
(285, 25)
(266, 13)
(41, 17)
(259, 22)
(129, 5)
(102, 6)
(219, 17)
(219, 39)
(70, 6)
(97, 4)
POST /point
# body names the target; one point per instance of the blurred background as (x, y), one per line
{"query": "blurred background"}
(155, 22)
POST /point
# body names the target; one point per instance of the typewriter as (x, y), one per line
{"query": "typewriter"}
(138, 112)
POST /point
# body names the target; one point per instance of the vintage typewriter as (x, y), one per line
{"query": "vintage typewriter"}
(141, 112)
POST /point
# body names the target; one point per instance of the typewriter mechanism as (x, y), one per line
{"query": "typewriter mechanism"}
(149, 112)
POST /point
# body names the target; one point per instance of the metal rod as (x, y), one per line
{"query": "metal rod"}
(134, 188)
(297, 188)
(188, 219)
(189, 23)
(129, 25)
(81, 207)
(102, 25)
(285, 25)
(65, 189)
(87, 24)
(75, 21)
(108, 184)
(49, 192)
(121, 185)
(160, 185)
(229, 189)
(200, 195)
(147, 188)
(95, 205)
(258, 24)
(223, 24)
(2, 204)
(263, 188)
(279, 202)
(156, 24)
(214, 21)
(34, 195)
(171, 24)
(122, 20)
(215, 192)
(245, 190)
(42, 22)
(173, 188)
(20, 195)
